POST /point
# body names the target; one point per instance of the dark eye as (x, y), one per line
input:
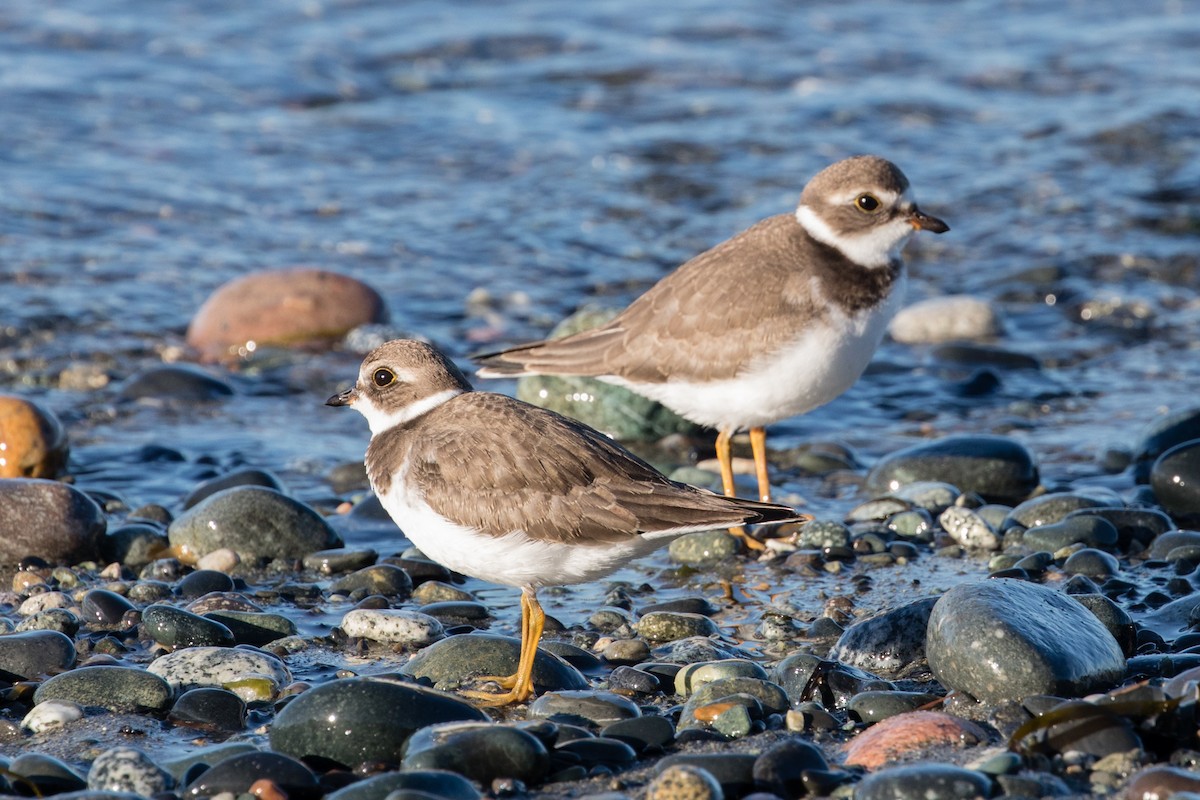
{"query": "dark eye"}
(383, 376)
(867, 202)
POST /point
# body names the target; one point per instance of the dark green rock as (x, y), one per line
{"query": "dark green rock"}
(253, 521)
(175, 627)
(482, 752)
(117, 688)
(997, 468)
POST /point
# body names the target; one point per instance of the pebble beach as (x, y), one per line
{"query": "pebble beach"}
(212, 212)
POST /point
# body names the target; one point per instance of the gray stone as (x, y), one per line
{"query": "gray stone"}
(439, 783)
(392, 625)
(117, 688)
(1093, 563)
(772, 697)
(180, 383)
(834, 683)
(1161, 435)
(27, 656)
(126, 769)
(253, 521)
(242, 477)
(385, 579)
(693, 676)
(175, 627)
(482, 752)
(1048, 509)
(1005, 639)
(704, 548)
(254, 627)
(48, 519)
(996, 468)
(1082, 529)
(669, 626)
(218, 666)
(968, 528)
(453, 661)
(924, 782)
(876, 706)
(598, 708)
(886, 643)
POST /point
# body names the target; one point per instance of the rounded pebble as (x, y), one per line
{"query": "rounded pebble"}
(210, 709)
(598, 708)
(926, 782)
(385, 579)
(668, 626)
(684, 782)
(482, 752)
(236, 774)
(453, 661)
(887, 642)
(1175, 478)
(904, 734)
(51, 519)
(175, 627)
(968, 528)
(703, 549)
(33, 443)
(997, 468)
(117, 688)
(949, 318)
(33, 654)
(253, 521)
(220, 667)
(395, 626)
(127, 769)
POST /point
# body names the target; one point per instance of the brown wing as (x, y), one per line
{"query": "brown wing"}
(694, 323)
(525, 468)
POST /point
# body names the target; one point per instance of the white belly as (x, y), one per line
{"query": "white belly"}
(817, 367)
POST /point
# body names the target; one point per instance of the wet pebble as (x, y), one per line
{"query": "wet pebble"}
(1048, 509)
(1083, 529)
(117, 688)
(1082, 727)
(62, 620)
(596, 707)
(1136, 527)
(353, 720)
(734, 772)
(886, 642)
(1093, 563)
(202, 581)
(127, 769)
(33, 443)
(693, 649)
(209, 708)
(385, 579)
(241, 477)
(290, 307)
(222, 667)
(669, 626)
(781, 769)
(997, 468)
(175, 627)
(1153, 783)
(1163, 545)
(433, 783)
(51, 714)
(626, 651)
(1175, 478)
(134, 544)
(648, 732)
(254, 522)
(629, 680)
(36, 653)
(1161, 435)
(1005, 639)
(254, 627)
(703, 549)
(954, 317)
(876, 706)
(835, 683)
(684, 782)
(599, 751)
(924, 782)
(455, 660)
(51, 519)
(822, 534)
(178, 383)
(692, 676)
(394, 626)
(236, 774)
(903, 735)
(104, 610)
(481, 752)
(334, 562)
(968, 528)
(768, 695)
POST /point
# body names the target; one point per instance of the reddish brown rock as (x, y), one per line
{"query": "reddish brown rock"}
(48, 519)
(33, 443)
(909, 733)
(298, 307)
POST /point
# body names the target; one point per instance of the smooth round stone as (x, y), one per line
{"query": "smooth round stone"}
(968, 528)
(599, 751)
(1086, 530)
(51, 714)
(997, 468)
(649, 732)
(1006, 639)
(184, 767)
(780, 770)
(626, 651)
(436, 783)
(1088, 729)
(1048, 509)
(1163, 545)
(949, 318)
(877, 509)
(241, 477)
(218, 666)
(693, 676)
(52, 619)
(419, 568)
(33, 443)
(773, 699)
(47, 773)
(481, 752)
(1175, 478)
(223, 560)
(598, 708)
(203, 581)
(253, 521)
(876, 706)
(628, 680)
(44, 601)
(915, 522)
(385, 579)
(30, 655)
(333, 562)
(222, 601)
(614, 410)
(684, 782)
(932, 496)
(693, 649)
(104, 610)
(292, 307)
(127, 769)
(134, 545)
(117, 688)
(174, 627)
(1134, 525)
(394, 626)
(53, 520)
(180, 383)
(668, 626)
(577, 657)
(734, 772)
(887, 642)
(687, 605)
(254, 627)
(453, 661)
(924, 782)
(821, 534)
(238, 773)
(1153, 783)
(1093, 563)
(703, 549)
(1113, 617)
(1161, 435)
(355, 720)
(210, 709)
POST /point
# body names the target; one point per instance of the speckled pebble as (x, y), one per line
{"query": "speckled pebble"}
(221, 667)
(385, 579)
(395, 626)
(127, 769)
(684, 782)
(669, 626)
(693, 676)
(115, 687)
(886, 643)
(51, 714)
(703, 549)
(968, 528)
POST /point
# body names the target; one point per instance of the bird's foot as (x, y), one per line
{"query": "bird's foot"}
(495, 699)
(504, 681)
(747, 539)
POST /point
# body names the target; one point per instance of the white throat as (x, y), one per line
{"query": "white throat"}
(876, 248)
(379, 420)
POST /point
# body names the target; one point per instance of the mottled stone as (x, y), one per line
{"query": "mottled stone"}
(127, 769)
(703, 549)
(996, 468)
(33, 443)
(395, 626)
(385, 579)
(219, 666)
(49, 519)
(773, 698)
(886, 643)
(968, 528)
(668, 626)
(253, 521)
(117, 688)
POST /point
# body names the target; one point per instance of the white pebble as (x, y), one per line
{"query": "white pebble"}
(222, 560)
(241, 671)
(395, 626)
(945, 319)
(968, 528)
(43, 601)
(51, 714)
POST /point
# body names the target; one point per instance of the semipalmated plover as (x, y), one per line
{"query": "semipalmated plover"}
(514, 494)
(774, 322)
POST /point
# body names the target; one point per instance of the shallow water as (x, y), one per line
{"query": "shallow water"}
(491, 168)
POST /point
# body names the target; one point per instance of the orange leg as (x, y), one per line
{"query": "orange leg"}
(520, 683)
(758, 442)
(725, 459)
